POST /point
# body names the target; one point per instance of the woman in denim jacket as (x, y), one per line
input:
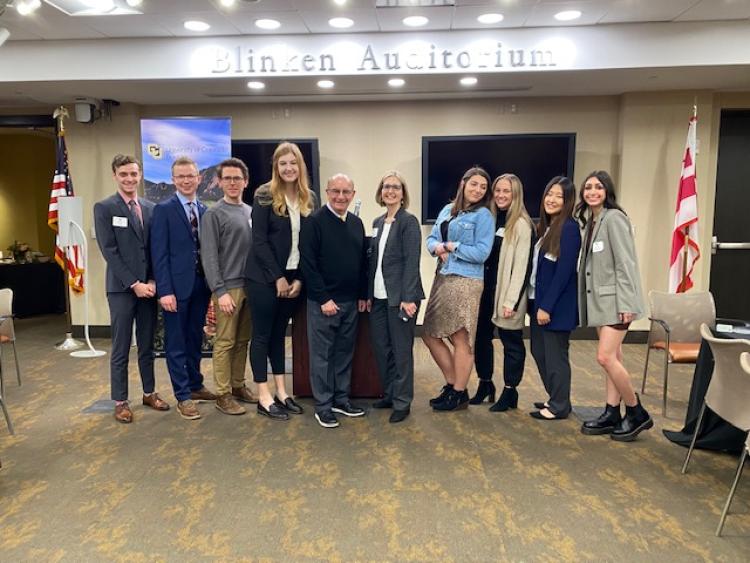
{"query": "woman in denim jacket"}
(461, 239)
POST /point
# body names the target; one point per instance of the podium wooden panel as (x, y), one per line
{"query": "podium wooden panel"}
(365, 381)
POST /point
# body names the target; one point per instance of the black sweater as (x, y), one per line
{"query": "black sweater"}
(334, 257)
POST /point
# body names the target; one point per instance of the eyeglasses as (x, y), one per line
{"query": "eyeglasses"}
(183, 177)
(345, 193)
(232, 179)
(394, 187)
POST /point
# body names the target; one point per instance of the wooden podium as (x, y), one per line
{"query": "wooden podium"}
(365, 380)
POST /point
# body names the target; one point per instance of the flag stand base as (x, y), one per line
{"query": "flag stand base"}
(88, 353)
(69, 343)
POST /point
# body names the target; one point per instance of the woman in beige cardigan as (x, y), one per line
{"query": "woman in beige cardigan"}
(609, 298)
(504, 298)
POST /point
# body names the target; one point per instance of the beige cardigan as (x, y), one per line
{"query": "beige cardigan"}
(512, 267)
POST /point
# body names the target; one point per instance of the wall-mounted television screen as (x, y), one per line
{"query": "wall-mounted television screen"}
(258, 155)
(534, 158)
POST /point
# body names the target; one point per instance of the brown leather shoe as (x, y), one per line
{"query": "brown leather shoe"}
(202, 395)
(123, 413)
(226, 404)
(188, 410)
(244, 394)
(155, 402)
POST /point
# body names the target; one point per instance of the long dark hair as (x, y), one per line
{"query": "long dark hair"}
(458, 202)
(551, 240)
(610, 199)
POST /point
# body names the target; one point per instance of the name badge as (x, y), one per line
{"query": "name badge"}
(120, 222)
(250, 222)
(550, 257)
(598, 246)
(500, 232)
(374, 232)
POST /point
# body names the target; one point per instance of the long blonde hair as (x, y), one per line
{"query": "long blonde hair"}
(276, 186)
(517, 210)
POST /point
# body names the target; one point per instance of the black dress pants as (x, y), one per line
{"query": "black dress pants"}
(550, 351)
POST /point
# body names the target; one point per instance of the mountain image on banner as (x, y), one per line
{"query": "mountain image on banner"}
(209, 190)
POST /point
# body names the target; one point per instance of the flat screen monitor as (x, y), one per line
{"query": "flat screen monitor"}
(534, 158)
(258, 155)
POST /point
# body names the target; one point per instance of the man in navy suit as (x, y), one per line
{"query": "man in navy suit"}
(181, 285)
(122, 229)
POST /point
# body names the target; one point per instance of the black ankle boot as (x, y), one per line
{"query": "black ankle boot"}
(636, 421)
(485, 389)
(508, 400)
(454, 401)
(605, 423)
(443, 393)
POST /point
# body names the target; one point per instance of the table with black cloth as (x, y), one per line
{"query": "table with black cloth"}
(715, 433)
(38, 288)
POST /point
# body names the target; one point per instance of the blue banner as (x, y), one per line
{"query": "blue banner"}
(207, 140)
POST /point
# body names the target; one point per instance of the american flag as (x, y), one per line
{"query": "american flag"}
(685, 249)
(69, 258)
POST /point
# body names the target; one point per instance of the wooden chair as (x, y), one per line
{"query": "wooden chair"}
(675, 329)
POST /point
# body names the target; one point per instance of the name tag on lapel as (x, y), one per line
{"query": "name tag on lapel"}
(550, 257)
(121, 222)
(598, 246)
(500, 232)
(374, 232)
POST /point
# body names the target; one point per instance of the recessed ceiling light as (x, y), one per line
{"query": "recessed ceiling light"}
(100, 5)
(256, 85)
(326, 84)
(567, 15)
(489, 19)
(468, 81)
(341, 23)
(268, 24)
(227, 3)
(26, 7)
(196, 25)
(396, 82)
(415, 21)
(339, 2)
(134, 3)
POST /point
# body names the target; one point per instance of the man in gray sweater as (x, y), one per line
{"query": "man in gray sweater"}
(225, 241)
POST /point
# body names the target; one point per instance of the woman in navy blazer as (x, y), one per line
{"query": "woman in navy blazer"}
(280, 208)
(394, 294)
(553, 302)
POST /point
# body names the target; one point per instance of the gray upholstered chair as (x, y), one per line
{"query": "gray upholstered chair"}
(745, 363)
(675, 329)
(7, 330)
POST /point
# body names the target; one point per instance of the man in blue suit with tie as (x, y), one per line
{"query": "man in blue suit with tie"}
(181, 285)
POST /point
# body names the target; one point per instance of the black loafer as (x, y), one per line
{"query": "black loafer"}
(540, 405)
(398, 416)
(273, 412)
(539, 416)
(382, 404)
(288, 404)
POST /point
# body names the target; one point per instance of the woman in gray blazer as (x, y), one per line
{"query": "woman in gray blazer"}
(609, 298)
(394, 292)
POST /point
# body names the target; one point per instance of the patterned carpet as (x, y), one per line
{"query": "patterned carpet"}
(467, 486)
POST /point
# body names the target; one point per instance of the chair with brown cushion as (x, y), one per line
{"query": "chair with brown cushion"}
(7, 330)
(675, 329)
(745, 363)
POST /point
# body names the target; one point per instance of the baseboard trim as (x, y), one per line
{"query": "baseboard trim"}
(633, 336)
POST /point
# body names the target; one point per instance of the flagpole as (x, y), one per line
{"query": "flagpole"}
(686, 246)
(69, 343)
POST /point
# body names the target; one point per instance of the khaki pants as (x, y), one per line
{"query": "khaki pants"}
(230, 344)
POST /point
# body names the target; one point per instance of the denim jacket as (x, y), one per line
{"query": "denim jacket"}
(472, 232)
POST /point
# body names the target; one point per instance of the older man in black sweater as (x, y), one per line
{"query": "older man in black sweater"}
(334, 265)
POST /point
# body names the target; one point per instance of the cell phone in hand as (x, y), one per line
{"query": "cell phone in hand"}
(403, 315)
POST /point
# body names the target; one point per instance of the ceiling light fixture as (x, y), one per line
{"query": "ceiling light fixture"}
(134, 3)
(396, 82)
(326, 84)
(568, 15)
(341, 23)
(339, 2)
(267, 24)
(468, 81)
(227, 3)
(415, 21)
(256, 85)
(102, 6)
(27, 6)
(489, 19)
(196, 25)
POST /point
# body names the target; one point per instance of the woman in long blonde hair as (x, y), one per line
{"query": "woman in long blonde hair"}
(280, 208)
(503, 303)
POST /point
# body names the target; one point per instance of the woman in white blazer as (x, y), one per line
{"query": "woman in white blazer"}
(609, 298)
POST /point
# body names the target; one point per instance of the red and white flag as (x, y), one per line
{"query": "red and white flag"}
(685, 250)
(69, 258)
